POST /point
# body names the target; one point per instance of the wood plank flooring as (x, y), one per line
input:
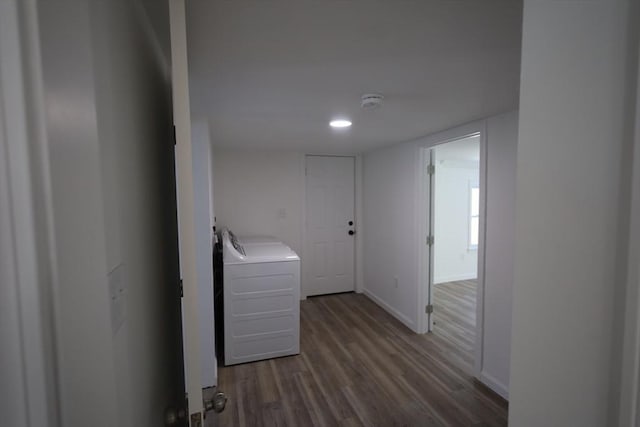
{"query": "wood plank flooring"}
(359, 366)
(454, 313)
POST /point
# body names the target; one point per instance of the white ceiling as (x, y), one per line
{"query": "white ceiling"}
(271, 74)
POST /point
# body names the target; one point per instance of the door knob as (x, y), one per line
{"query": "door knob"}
(351, 232)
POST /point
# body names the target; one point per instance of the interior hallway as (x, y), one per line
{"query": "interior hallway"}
(360, 366)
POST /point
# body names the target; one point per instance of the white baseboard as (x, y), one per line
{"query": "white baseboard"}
(494, 385)
(454, 278)
(395, 313)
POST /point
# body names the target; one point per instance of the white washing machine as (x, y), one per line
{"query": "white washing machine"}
(261, 300)
(258, 240)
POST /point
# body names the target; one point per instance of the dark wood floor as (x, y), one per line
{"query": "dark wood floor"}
(359, 366)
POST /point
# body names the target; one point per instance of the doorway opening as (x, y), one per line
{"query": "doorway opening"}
(455, 218)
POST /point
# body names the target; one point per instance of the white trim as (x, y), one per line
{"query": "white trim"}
(629, 404)
(26, 207)
(359, 270)
(494, 385)
(428, 268)
(482, 241)
(422, 211)
(303, 224)
(398, 315)
(423, 228)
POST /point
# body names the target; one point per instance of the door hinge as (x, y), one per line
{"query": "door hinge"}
(431, 169)
(430, 240)
(181, 288)
(428, 309)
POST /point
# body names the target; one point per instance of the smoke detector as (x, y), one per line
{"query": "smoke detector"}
(371, 101)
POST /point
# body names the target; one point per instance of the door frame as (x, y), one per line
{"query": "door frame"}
(358, 269)
(425, 227)
(29, 281)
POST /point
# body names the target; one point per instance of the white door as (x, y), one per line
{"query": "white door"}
(186, 214)
(330, 225)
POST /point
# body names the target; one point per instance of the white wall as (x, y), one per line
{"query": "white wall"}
(502, 132)
(260, 192)
(113, 192)
(390, 230)
(391, 234)
(577, 61)
(453, 259)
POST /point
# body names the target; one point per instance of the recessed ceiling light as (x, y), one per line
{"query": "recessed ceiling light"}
(341, 123)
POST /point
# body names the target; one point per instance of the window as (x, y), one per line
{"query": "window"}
(474, 215)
